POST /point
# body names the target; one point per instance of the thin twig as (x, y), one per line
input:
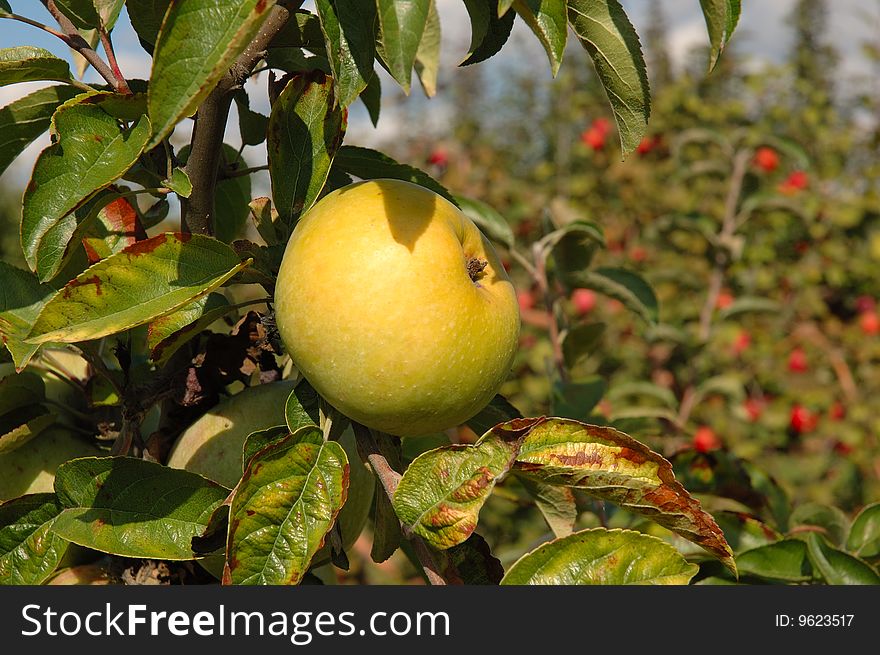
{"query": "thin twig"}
(73, 38)
(728, 229)
(389, 479)
(241, 172)
(111, 57)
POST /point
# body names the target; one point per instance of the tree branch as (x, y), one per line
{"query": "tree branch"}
(389, 479)
(728, 229)
(197, 211)
(73, 38)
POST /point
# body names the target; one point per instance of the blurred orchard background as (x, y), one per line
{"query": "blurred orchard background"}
(752, 209)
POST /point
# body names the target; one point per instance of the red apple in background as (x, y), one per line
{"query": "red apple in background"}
(865, 304)
(796, 181)
(725, 300)
(602, 125)
(837, 411)
(741, 343)
(638, 254)
(584, 301)
(754, 408)
(647, 145)
(593, 138)
(438, 157)
(797, 361)
(870, 323)
(802, 419)
(766, 159)
(705, 439)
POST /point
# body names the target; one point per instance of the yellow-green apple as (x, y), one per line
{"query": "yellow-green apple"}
(30, 469)
(396, 308)
(212, 446)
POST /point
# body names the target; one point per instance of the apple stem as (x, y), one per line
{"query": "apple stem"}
(475, 267)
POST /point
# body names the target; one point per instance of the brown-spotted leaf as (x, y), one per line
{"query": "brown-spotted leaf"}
(441, 492)
(283, 508)
(116, 228)
(600, 556)
(148, 279)
(615, 467)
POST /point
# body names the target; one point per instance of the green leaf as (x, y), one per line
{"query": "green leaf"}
(29, 64)
(163, 334)
(721, 19)
(600, 556)
(784, 561)
(442, 491)
(613, 466)
(610, 39)
(91, 152)
(283, 508)
(20, 426)
(549, 22)
(748, 305)
(428, 56)
(256, 441)
(643, 389)
(499, 410)
(305, 131)
(23, 120)
(470, 563)
(22, 297)
(147, 280)
(29, 550)
(490, 222)
(197, 44)
(401, 25)
(387, 535)
(81, 13)
(4, 7)
(302, 408)
(349, 28)
(744, 531)
(626, 286)
(489, 31)
(373, 165)
(864, 535)
(252, 125)
(557, 505)
(179, 182)
(580, 342)
(572, 248)
(133, 508)
(838, 567)
(576, 399)
(503, 6)
(371, 96)
(832, 521)
(146, 19)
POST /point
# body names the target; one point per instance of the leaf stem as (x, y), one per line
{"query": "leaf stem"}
(111, 57)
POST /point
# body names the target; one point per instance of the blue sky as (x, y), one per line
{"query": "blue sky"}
(762, 34)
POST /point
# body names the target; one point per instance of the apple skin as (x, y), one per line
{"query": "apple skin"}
(31, 468)
(212, 447)
(377, 309)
